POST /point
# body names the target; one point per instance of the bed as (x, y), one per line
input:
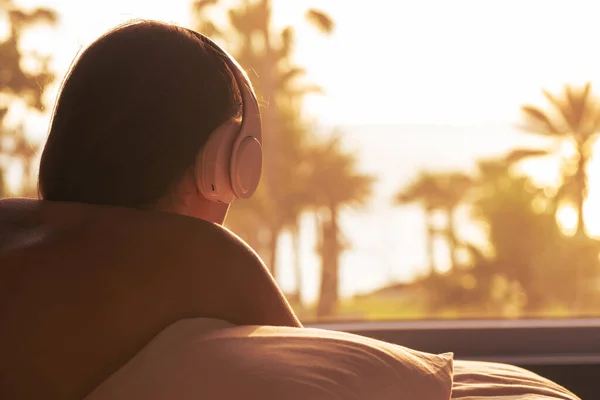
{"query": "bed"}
(485, 380)
(203, 358)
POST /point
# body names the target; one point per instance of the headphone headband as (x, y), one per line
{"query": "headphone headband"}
(230, 164)
(251, 120)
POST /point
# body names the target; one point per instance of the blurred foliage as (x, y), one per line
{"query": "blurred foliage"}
(334, 184)
(533, 267)
(573, 119)
(528, 267)
(443, 192)
(15, 81)
(302, 173)
(21, 84)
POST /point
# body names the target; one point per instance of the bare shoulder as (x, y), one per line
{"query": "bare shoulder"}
(159, 254)
(28, 222)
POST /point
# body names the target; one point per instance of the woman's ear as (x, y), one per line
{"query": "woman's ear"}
(186, 199)
(197, 205)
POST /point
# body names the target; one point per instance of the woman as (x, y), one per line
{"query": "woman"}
(123, 285)
(144, 156)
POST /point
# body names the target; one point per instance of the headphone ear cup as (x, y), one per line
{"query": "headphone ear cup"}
(213, 164)
(246, 167)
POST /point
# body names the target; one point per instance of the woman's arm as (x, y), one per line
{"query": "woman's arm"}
(245, 292)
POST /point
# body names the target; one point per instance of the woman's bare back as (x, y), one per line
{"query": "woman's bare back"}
(83, 288)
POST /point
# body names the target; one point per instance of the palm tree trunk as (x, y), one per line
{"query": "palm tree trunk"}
(430, 243)
(273, 246)
(451, 237)
(297, 258)
(581, 179)
(336, 250)
(328, 294)
(2, 188)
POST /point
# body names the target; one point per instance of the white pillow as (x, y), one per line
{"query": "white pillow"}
(488, 380)
(198, 359)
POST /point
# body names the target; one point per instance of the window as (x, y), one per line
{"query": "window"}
(425, 160)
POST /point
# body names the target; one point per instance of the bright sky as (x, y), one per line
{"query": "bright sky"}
(425, 62)
(394, 72)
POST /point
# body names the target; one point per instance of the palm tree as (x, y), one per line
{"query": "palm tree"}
(426, 191)
(269, 60)
(524, 238)
(16, 148)
(438, 192)
(19, 83)
(456, 186)
(276, 80)
(574, 118)
(336, 184)
(14, 80)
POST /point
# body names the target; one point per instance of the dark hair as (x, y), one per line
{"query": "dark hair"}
(133, 112)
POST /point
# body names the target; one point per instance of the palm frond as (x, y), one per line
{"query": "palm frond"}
(437, 190)
(287, 41)
(539, 122)
(320, 20)
(200, 6)
(291, 74)
(209, 29)
(305, 90)
(519, 155)
(578, 101)
(21, 19)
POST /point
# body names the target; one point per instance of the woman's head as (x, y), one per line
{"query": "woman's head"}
(134, 111)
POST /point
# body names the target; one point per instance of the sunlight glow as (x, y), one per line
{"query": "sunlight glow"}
(591, 213)
(4, 27)
(14, 175)
(411, 78)
(568, 149)
(567, 219)
(592, 204)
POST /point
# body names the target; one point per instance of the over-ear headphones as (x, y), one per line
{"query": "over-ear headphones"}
(229, 166)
